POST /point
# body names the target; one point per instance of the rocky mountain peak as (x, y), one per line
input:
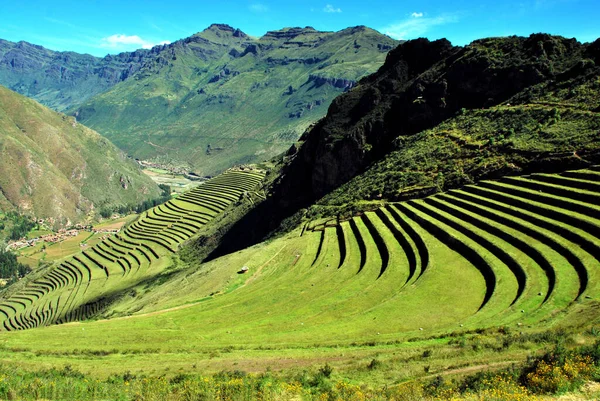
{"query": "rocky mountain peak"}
(227, 29)
(289, 33)
(220, 27)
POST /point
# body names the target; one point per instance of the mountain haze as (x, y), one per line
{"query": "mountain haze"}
(63, 79)
(55, 168)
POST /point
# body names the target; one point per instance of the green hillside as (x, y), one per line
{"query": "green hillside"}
(60, 80)
(57, 169)
(437, 117)
(493, 266)
(232, 98)
(435, 236)
(85, 285)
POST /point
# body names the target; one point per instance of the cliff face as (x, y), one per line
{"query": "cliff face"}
(379, 127)
(421, 84)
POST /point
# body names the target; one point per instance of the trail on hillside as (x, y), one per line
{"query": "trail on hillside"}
(471, 369)
(256, 273)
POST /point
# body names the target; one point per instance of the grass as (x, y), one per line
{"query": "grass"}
(82, 286)
(508, 139)
(568, 371)
(115, 224)
(403, 285)
(151, 115)
(178, 183)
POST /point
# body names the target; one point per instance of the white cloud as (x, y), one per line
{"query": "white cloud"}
(415, 27)
(128, 42)
(331, 9)
(416, 15)
(258, 8)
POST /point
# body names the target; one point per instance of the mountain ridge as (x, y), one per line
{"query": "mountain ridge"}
(270, 88)
(61, 79)
(414, 124)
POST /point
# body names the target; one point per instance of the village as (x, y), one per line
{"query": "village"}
(59, 236)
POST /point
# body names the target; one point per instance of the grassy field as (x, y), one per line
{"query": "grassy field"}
(473, 279)
(82, 286)
(115, 224)
(177, 182)
(50, 252)
(517, 254)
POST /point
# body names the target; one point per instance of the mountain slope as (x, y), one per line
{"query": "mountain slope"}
(54, 168)
(63, 79)
(497, 106)
(232, 98)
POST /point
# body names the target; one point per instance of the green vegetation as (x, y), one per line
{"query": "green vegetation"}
(472, 146)
(55, 169)
(554, 373)
(165, 195)
(543, 377)
(446, 267)
(14, 226)
(477, 274)
(256, 96)
(9, 267)
(84, 285)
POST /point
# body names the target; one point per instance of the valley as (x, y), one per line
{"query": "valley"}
(301, 215)
(146, 102)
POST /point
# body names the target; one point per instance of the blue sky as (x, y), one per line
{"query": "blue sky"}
(100, 27)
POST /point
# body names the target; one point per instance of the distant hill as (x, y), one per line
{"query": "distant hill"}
(55, 168)
(63, 79)
(228, 97)
(222, 97)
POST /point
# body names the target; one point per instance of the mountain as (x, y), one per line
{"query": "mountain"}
(426, 83)
(55, 168)
(437, 117)
(63, 79)
(230, 98)
(367, 279)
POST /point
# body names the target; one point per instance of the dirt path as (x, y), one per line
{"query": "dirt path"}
(256, 273)
(471, 369)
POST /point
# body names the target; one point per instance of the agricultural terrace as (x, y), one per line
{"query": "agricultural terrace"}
(519, 252)
(81, 286)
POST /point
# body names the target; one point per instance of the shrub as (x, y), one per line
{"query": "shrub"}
(10, 268)
(374, 364)
(326, 370)
(555, 378)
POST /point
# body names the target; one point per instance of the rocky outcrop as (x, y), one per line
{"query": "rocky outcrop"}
(341, 83)
(421, 84)
(225, 72)
(289, 33)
